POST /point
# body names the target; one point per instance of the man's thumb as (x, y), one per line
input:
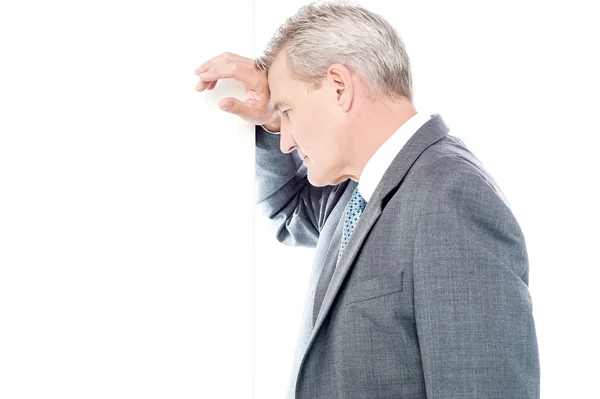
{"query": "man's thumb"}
(231, 105)
(225, 105)
(240, 108)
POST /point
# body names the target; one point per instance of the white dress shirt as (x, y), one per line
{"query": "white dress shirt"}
(381, 160)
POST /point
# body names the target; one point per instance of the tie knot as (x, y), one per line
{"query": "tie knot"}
(357, 201)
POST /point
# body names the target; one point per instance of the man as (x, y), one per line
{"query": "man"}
(420, 282)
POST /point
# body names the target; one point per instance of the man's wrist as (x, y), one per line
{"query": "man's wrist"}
(274, 126)
(271, 129)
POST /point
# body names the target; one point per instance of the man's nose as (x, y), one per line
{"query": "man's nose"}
(287, 142)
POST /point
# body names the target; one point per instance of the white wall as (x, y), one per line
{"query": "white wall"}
(518, 82)
(126, 202)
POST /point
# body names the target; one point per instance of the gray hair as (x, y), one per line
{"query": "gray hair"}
(321, 34)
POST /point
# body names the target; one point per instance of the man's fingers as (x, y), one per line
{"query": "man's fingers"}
(223, 59)
(239, 72)
(205, 85)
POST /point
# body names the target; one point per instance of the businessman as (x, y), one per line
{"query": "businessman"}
(420, 283)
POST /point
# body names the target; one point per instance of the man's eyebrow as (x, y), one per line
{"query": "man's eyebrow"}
(280, 103)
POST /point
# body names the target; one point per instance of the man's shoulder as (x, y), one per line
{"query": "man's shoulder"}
(449, 152)
(450, 165)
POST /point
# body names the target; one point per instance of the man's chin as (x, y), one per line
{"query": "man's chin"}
(316, 182)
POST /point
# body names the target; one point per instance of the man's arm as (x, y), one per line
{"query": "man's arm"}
(472, 305)
(296, 209)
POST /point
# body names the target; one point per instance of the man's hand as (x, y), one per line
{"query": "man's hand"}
(255, 107)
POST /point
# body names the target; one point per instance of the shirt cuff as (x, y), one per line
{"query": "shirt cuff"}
(263, 126)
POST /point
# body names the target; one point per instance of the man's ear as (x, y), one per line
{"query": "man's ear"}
(341, 80)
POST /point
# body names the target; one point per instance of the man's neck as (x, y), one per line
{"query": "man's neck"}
(380, 122)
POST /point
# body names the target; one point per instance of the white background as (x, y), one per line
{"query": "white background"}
(518, 82)
(126, 203)
(126, 197)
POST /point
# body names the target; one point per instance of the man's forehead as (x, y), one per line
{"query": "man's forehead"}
(275, 80)
(276, 101)
(274, 89)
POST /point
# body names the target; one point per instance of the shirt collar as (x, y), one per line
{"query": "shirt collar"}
(382, 158)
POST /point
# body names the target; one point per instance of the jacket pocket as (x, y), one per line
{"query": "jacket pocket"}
(373, 288)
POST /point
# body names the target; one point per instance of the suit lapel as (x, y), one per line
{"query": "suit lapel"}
(431, 132)
(329, 264)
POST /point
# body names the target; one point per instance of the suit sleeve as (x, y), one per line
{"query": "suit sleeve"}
(296, 209)
(473, 309)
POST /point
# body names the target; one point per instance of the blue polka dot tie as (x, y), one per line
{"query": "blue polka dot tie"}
(355, 209)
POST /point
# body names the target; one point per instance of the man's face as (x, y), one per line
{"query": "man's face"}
(311, 123)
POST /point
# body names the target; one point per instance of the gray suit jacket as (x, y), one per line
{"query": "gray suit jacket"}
(430, 298)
